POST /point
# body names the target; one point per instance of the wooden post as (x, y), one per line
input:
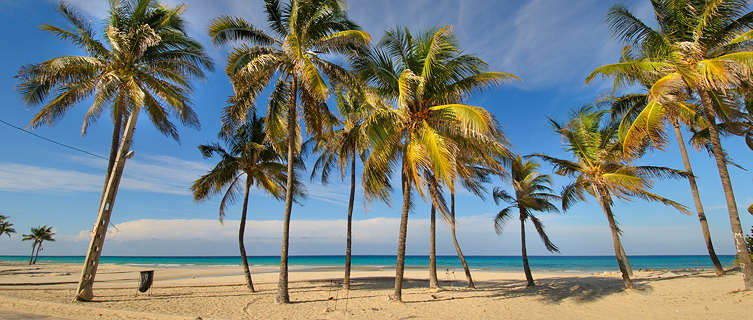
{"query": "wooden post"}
(85, 285)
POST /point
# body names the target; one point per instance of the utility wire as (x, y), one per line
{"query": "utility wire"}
(52, 141)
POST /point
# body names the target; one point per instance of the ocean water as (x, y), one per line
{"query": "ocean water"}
(506, 263)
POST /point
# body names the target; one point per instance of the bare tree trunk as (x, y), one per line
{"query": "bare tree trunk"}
(400, 264)
(85, 286)
(626, 260)
(241, 233)
(615, 236)
(743, 256)
(433, 281)
(524, 254)
(282, 283)
(348, 240)
(31, 255)
(697, 199)
(457, 244)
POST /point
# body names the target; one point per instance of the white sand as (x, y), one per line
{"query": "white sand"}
(219, 293)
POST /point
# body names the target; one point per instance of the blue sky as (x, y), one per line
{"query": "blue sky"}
(551, 44)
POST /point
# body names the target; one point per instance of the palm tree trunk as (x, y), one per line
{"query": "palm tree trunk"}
(697, 199)
(400, 264)
(433, 281)
(241, 232)
(615, 236)
(39, 248)
(625, 259)
(282, 283)
(114, 144)
(743, 256)
(31, 256)
(86, 282)
(348, 240)
(457, 244)
(524, 254)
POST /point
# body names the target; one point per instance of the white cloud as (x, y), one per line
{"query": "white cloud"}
(19, 177)
(158, 174)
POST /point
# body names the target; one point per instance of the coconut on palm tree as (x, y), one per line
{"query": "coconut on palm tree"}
(600, 169)
(38, 235)
(341, 148)
(427, 76)
(249, 161)
(305, 34)
(6, 227)
(144, 61)
(704, 49)
(533, 193)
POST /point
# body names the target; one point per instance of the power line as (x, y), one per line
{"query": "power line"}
(52, 141)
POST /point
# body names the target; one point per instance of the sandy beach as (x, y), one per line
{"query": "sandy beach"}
(46, 290)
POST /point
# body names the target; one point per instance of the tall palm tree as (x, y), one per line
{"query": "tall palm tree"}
(144, 62)
(640, 120)
(600, 169)
(249, 157)
(38, 235)
(427, 76)
(341, 148)
(533, 193)
(305, 33)
(6, 227)
(706, 52)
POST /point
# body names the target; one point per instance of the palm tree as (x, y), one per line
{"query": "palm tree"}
(249, 155)
(340, 148)
(6, 227)
(305, 33)
(427, 76)
(601, 170)
(533, 193)
(39, 235)
(704, 52)
(145, 61)
(642, 121)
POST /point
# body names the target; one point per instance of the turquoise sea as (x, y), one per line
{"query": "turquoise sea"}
(547, 263)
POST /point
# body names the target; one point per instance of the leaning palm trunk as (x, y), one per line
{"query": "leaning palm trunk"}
(626, 260)
(697, 199)
(743, 256)
(615, 236)
(86, 283)
(524, 254)
(33, 249)
(348, 240)
(282, 283)
(241, 233)
(400, 264)
(36, 256)
(457, 244)
(114, 145)
(433, 281)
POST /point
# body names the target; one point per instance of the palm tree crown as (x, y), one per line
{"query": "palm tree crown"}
(250, 157)
(145, 60)
(600, 168)
(533, 193)
(304, 32)
(6, 227)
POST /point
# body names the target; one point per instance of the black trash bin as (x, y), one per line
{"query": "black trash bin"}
(147, 278)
